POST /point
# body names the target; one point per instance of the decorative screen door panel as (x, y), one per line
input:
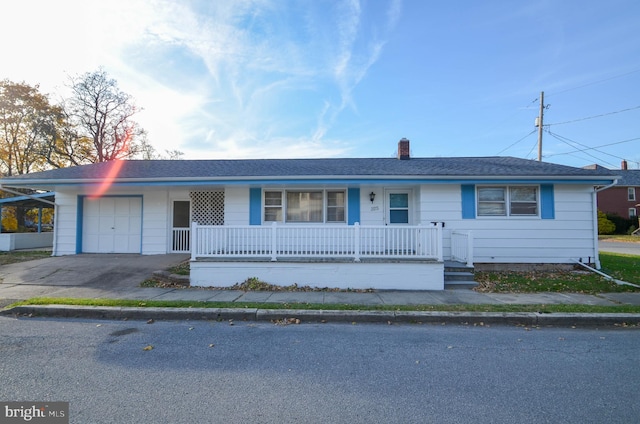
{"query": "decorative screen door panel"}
(180, 230)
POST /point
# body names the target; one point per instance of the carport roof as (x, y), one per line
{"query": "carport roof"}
(31, 201)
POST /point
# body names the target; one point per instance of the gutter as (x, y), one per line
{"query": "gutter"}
(334, 179)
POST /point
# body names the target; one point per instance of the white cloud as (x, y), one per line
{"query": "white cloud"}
(253, 78)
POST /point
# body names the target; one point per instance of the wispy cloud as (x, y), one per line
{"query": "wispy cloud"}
(243, 78)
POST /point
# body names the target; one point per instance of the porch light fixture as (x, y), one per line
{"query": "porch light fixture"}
(372, 196)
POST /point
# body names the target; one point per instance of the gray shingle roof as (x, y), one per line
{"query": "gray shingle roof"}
(167, 170)
(629, 178)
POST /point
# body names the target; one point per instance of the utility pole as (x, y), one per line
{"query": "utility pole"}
(539, 124)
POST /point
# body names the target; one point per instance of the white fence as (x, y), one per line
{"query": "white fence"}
(316, 241)
(462, 246)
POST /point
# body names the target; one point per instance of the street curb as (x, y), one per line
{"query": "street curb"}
(275, 315)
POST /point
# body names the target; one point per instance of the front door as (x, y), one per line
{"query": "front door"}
(180, 230)
(399, 240)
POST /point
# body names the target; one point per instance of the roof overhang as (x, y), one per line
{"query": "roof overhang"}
(596, 180)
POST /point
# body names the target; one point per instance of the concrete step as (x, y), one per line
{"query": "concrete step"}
(458, 276)
(462, 285)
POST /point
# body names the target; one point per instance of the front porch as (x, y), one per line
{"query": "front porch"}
(354, 256)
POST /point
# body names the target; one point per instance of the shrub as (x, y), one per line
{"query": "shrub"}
(622, 224)
(605, 226)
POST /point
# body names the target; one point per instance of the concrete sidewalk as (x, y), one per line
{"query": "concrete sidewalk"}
(119, 277)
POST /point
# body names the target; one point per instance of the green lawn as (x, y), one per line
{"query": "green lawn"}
(619, 266)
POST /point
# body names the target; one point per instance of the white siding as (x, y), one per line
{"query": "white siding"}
(65, 223)
(371, 213)
(518, 240)
(155, 222)
(236, 205)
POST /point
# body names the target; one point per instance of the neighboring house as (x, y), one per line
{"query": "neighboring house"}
(624, 197)
(387, 223)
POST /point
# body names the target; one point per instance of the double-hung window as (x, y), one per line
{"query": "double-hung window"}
(508, 201)
(305, 206)
(631, 194)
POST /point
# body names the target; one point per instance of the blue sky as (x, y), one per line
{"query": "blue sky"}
(314, 78)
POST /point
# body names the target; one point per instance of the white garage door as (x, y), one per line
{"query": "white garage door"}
(112, 225)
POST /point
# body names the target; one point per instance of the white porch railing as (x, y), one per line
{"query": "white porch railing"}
(462, 246)
(316, 241)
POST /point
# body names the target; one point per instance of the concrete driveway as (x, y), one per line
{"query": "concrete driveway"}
(109, 272)
(619, 247)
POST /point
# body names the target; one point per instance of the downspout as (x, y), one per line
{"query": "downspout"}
(594, 200)
(608, 277)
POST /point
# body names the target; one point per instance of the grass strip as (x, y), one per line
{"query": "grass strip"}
(22, 256)
(542, 308)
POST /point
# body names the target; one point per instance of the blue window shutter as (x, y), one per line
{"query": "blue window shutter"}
(547, 202)
(79, 223)
(468, 201)
(353, 205)
(255, 206)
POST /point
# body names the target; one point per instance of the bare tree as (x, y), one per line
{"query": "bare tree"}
(63, 143)
(148, 152)
(104, 114)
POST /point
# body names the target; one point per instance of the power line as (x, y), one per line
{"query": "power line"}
(595, 116)
(597, 147)
(532, 148)
(567, 141)
(586, 148)
(596, 82)
(507, 148)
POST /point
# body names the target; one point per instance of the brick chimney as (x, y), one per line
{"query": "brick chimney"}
(623, 165)
(403, 149)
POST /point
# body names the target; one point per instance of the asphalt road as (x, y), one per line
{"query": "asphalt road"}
(215, 372)
(619, 247)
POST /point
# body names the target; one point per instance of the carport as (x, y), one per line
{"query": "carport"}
(39, 239)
